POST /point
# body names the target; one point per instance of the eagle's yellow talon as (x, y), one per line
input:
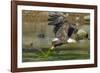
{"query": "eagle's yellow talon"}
(52, 48)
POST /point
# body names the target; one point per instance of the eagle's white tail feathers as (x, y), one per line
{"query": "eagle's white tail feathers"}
(70, 40)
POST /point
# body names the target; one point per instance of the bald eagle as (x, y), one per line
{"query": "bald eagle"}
(63, 30)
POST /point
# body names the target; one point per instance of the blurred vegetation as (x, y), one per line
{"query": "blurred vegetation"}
(65, 52)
